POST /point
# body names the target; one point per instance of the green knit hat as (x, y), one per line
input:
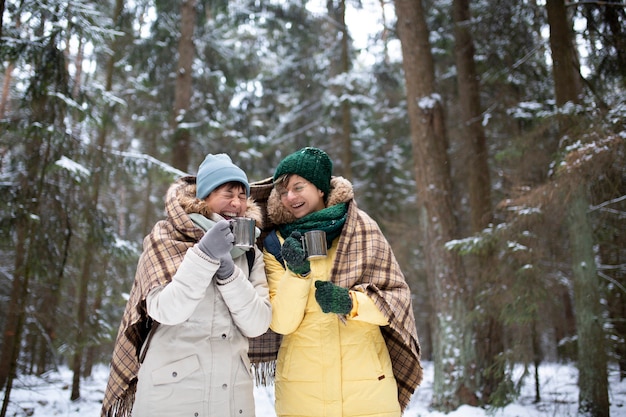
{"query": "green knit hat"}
(310, 163)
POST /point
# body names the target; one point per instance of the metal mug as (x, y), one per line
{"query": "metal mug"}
(244, 232)
(314, 243)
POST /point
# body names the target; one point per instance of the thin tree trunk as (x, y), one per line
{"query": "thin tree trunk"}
(78, 64)
(473, 132)
(612, 253)
(90, 356)
(82, 330)
(15, 308)
(14, 321)
(592, 358)
(51, 303)
(342, 122)
(182, 98)
(147, 218)
(490, 345)
(6, 84)
(565, 64)
(452, 348)
(1, 14)
(536, 344)
(25, 233)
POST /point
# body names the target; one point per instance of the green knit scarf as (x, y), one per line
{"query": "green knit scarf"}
(330, 220)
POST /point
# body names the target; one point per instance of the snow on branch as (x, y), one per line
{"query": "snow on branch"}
(151, 160)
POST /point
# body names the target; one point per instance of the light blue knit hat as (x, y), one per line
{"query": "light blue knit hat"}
(216, 170)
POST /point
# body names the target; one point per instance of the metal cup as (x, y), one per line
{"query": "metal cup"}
(244, 231)
(314, 243)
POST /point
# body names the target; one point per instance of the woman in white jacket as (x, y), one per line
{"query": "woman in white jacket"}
(182, 347)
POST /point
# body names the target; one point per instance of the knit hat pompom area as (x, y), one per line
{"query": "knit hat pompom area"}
(310, 163)
(216, 170)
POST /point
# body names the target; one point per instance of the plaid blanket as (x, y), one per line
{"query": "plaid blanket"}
(365, 261)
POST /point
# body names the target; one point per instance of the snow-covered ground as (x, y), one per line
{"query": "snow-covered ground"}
(49, 396)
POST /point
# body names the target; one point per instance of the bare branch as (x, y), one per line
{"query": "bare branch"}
(598, 3)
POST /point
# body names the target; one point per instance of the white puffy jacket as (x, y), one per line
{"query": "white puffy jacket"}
(197, 363)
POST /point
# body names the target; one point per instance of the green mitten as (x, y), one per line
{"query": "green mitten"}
(332, 298)
(293, 253)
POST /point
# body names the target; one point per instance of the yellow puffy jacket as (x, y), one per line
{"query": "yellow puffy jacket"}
(328, 365)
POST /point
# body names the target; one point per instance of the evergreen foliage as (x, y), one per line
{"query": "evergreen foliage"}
(264, 86)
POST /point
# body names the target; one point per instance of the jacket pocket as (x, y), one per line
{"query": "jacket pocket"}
(300, 363)
(247, 365)
(368, 360)
(243, 397)
(175, 371)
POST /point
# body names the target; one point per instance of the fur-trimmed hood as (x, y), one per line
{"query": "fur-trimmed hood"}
(185, 189)
(341, 191)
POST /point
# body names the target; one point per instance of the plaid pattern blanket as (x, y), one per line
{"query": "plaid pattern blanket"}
(366, 262)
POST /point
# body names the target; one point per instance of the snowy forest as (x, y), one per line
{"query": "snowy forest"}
(487, 138)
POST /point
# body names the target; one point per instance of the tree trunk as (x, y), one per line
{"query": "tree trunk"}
(26, 232)
(342, 120)
(182, 98)
(6, 83)
(15, 308)
(592, 358)
(474, 134)
(82, 329)
(14, 324)
(565, 74)
(51, 301)
(90, 356)
(565, 66)
(452, 348)
(613, 252)
(491, 345)
(1, 14)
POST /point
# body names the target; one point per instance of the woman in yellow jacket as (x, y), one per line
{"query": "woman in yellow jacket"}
(350, 346)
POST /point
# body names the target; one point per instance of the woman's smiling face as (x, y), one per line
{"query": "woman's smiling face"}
(300, 197)
(228, 200)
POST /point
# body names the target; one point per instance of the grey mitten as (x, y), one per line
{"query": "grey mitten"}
(227, 267)
(293, 253)
(218, 240)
